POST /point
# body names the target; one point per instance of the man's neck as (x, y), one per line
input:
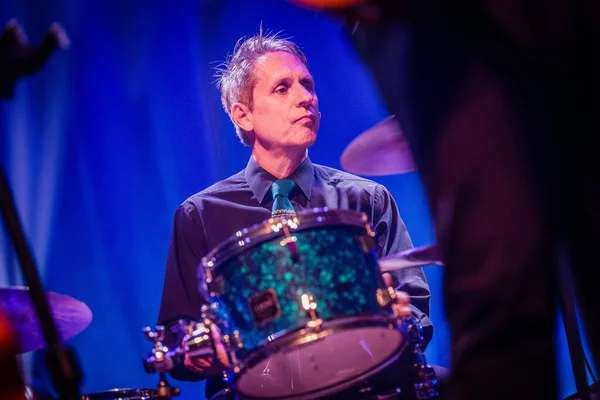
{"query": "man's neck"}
(280, 165)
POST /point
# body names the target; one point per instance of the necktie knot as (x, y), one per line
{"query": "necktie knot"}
(281, 190)
(282, 187)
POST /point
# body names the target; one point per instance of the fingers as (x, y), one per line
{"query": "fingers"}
(205, 366)
(401, 305)
(402, 297)
(209, 365)
(197, 364)
(387, 278)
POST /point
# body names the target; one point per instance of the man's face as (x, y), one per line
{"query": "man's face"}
(286, 109)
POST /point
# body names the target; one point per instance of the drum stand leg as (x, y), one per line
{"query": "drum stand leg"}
(164, 390)
(425, 384)
(230, 395)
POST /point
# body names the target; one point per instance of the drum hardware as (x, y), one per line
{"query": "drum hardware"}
(123, 394)
(425, 384)
(367, 241)
(310, 306)
(366, 393)
(232, 343)
(213, 285)
(386, 296)
(198, 341)
(264, 307)
(160, 361)
(209, 312)
(389, 395)
(290, 241)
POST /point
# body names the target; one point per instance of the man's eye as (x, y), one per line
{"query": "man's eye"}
(281, 89)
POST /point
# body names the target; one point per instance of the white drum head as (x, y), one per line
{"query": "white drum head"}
(322, 367)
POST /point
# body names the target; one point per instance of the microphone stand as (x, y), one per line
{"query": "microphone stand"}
(16, 60)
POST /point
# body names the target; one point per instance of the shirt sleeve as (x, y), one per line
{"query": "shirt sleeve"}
(392, 237)
(181, 298)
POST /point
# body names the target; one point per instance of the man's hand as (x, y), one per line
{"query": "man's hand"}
(401, 305)
(209, 365)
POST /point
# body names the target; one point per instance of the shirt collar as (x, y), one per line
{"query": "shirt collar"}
(260, 181)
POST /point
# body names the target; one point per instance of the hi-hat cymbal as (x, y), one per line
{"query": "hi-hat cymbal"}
(380, 150)
(71, 316)
(416, 257)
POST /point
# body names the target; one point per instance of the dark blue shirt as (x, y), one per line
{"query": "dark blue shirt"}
(209, 217)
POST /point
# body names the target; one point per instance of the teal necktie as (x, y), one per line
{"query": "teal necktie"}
(281, 189)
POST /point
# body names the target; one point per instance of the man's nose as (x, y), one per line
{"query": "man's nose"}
(304, 96)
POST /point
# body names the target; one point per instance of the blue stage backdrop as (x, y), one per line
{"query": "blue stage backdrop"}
(104, 143)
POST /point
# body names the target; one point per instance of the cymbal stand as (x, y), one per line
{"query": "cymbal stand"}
(160, 361)
(18, 59)
(61, 359)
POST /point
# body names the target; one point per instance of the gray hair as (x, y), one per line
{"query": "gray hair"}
(236, 78)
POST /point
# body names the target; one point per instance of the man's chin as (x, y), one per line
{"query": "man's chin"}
(310, 139)
(304, 142)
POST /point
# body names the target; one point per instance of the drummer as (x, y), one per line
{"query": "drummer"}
(269, 93)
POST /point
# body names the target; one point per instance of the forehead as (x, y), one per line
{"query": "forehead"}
(279, 65)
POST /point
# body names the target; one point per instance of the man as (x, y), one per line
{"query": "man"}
(499, 100)
(269, 94)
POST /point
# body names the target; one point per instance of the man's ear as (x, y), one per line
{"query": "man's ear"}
(242, 116)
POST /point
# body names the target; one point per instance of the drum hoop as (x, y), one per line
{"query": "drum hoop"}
(144, 393)
(259, 233)
(288, 338)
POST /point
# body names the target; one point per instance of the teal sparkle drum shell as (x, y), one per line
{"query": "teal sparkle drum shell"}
(259, 276)
(333, 267)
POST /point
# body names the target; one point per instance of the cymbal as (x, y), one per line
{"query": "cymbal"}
(380, 150)
(71, 316)
(415, 257)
